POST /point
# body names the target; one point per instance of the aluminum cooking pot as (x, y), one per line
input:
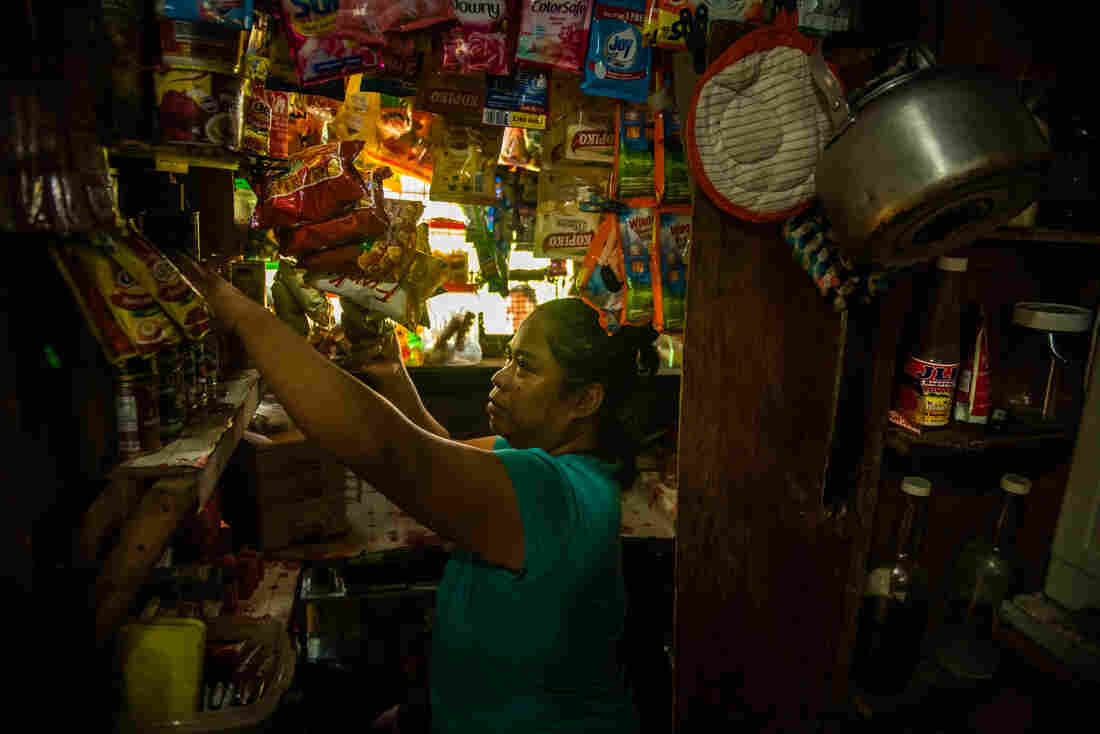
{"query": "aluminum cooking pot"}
(926, 161)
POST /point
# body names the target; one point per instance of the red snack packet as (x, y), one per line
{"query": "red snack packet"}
(321, 183)
(368, 218)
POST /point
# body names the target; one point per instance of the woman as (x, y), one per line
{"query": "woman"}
(532, 602)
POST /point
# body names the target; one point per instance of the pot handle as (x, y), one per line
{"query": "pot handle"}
(836, 103)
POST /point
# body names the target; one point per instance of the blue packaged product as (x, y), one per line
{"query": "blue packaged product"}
(235, 13)
(618, 64)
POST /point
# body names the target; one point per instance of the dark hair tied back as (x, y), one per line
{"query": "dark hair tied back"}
(588, 354)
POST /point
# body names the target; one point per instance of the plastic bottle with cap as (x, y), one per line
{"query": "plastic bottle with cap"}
(926, 394)
(894, 614)
(984, 575)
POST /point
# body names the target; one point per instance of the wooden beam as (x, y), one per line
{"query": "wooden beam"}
(145, 535)
(760, 572)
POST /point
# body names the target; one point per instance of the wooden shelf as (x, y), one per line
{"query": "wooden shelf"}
(1011, 234)
(183, 475)
(178, 158)
(965, 438)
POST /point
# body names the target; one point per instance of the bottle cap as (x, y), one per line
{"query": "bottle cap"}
(1052, 317)
(1015, 484)
(954, 264)
(916, 486)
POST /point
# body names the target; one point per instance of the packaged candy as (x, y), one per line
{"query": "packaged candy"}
(146, 325)
(741, 11)
(636, 236)
(337, 260)
(664, 23)
(159, 277)
(618, 65)
(116, 346)
(673, 176)
(519, 100)
(671, 250)
(569, 209)
(465, 162)
(554, 33)
(366, 219)
(236, 13)
(634, 161)
(321, 183)
(391, 257)
(199, 107)
(602, 279)
(201, 46)
(257, 50)
(484, 39)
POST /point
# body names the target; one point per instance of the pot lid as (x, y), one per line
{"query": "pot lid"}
(1052, 317)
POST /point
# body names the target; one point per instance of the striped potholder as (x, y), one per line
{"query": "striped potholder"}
(757, 128)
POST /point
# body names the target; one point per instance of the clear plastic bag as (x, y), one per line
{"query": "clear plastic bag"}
(453, 336)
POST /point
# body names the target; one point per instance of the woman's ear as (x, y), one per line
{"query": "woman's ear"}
(587, 400)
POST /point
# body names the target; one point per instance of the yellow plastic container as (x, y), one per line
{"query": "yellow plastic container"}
(161, 663)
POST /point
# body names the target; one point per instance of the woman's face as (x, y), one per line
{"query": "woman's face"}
(526, 404)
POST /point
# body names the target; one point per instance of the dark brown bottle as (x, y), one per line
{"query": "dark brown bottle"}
(894, 614)
(926, 395)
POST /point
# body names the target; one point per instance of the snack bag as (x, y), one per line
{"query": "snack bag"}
(321, 183)
(602, 279)
(201, 46)
(366, 219)
(394, 134)
(235, 13)
(673, 177)
(570, 201)
(618, 65)
(403, 302)
(327, 43)
(199, 107)
(671, 250)
(634, 161)
(157, 275)
(116, 346)
(146, 325)
(553, 33)
(636, 237)
(483, 42)
(465, 163)
(256, 125)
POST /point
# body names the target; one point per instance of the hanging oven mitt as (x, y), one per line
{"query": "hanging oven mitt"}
(756, 127)
(835, 275)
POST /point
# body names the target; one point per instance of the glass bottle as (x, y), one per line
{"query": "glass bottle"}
(927, 391)
(894, 614)
(984, 574)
